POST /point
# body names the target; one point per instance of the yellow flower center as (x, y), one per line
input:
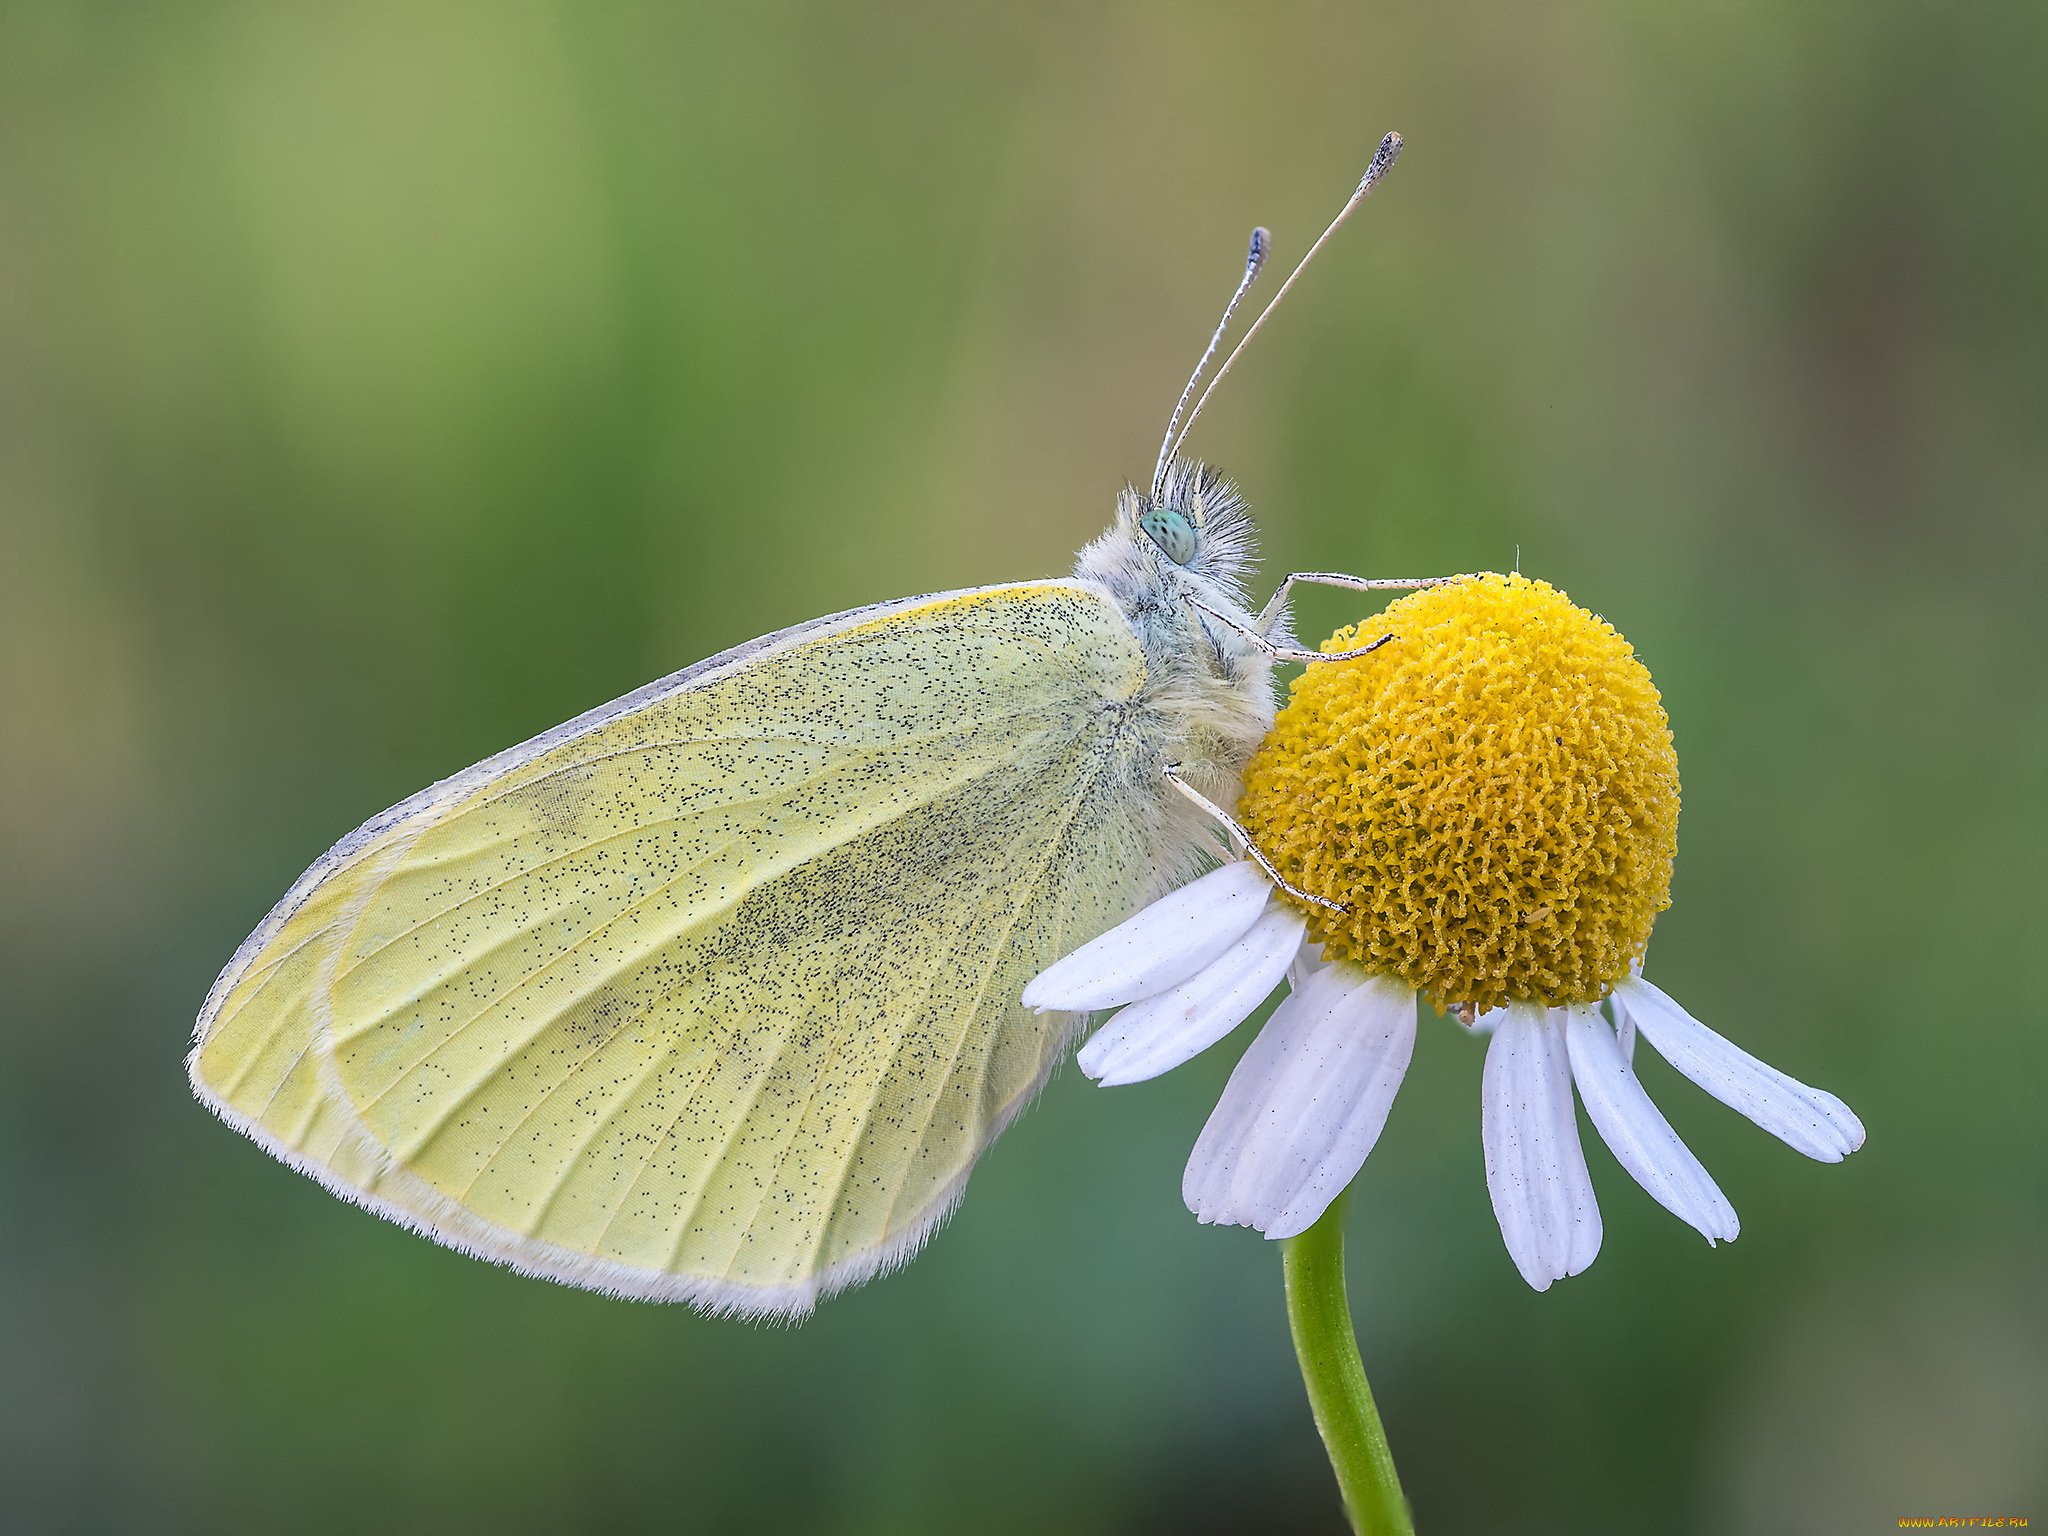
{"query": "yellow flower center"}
(1493, 794)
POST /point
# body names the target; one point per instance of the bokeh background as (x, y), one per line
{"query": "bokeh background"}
(380, 385)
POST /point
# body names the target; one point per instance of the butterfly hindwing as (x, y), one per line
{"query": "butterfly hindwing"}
(713, 994)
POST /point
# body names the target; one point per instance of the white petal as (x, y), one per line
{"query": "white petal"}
(1625, 1031)
(1158, 1033)
(1641, 1138)
(1305, 1105)
(1805, 1119)
(1535, 1168)
(1163, 945)
(1625, 1027)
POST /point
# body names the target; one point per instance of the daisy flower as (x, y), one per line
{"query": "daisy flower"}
(1483, 813)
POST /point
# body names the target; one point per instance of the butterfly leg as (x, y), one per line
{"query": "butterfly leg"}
(1275, 649)
(1244, 839)
(1277, 603)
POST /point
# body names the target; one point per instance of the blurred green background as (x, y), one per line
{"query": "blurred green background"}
(382, 385)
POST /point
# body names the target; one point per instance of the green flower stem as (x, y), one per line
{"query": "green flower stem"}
(1319, 1314)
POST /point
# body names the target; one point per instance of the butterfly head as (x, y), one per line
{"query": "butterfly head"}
(1196, 521)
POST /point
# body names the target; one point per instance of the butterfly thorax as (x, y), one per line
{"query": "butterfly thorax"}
(1208, 700)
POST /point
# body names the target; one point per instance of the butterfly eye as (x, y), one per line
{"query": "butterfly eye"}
(1172, 532)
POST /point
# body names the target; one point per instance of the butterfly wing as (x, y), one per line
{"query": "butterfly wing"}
(713, 993)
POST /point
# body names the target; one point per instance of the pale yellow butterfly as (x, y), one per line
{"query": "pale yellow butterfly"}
(713, 994)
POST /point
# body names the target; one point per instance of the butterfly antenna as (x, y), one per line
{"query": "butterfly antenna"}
(1262, 242)
(1382, 160)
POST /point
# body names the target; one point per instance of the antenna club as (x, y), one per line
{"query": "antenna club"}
(1382, 161)
(1262, 246)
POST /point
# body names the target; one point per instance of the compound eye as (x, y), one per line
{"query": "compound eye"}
(1172, 532)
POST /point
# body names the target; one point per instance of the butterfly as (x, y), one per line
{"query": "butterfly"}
(713, 993)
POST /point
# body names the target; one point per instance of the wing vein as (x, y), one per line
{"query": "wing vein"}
(561, 1179)
(440, 1121)
(780, 792)
(655, 1145)
(981, 989)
